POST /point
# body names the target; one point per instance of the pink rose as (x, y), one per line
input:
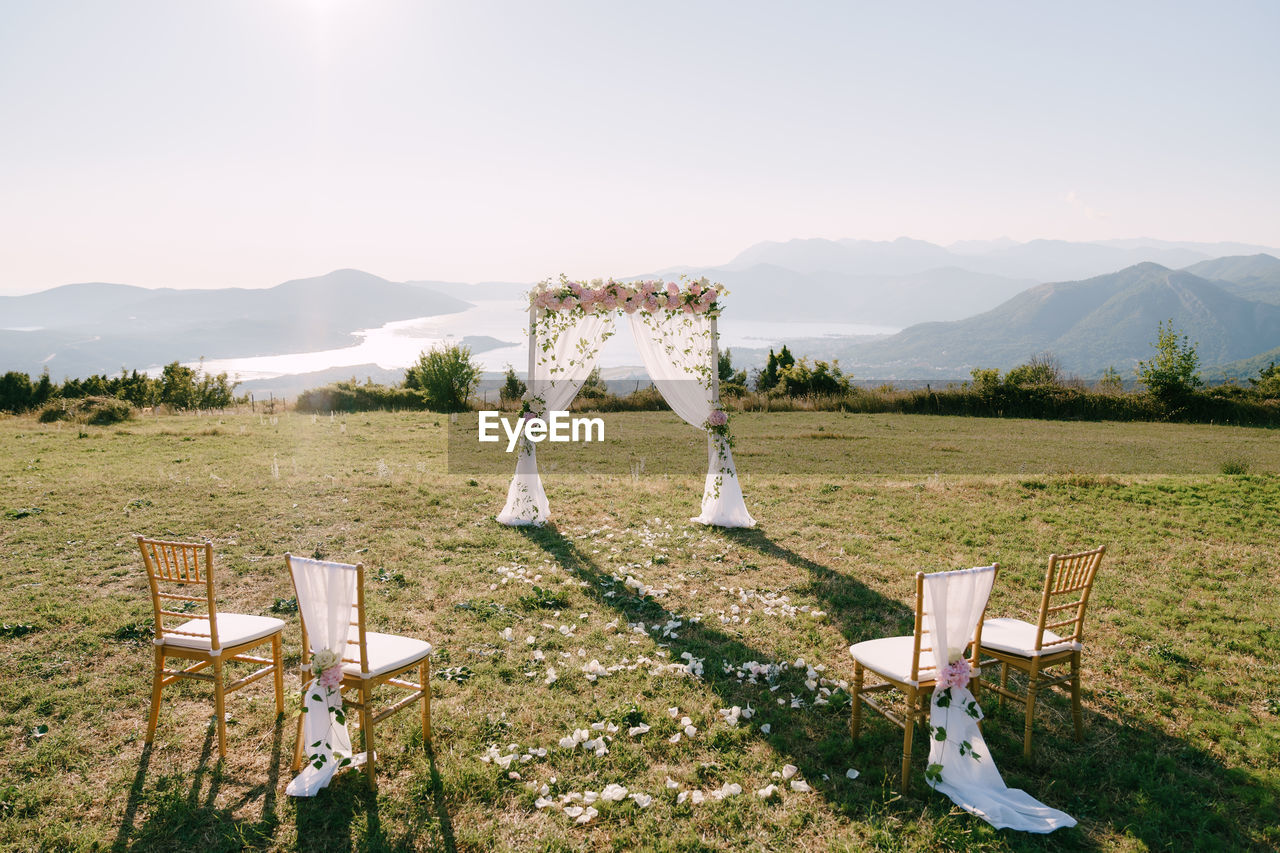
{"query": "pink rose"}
(955, 674)
(331, 677)
(717, 418)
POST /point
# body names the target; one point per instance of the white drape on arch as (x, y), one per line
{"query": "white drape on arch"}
(326, 592)
(558, 372)
(676, 350)
(953, 603)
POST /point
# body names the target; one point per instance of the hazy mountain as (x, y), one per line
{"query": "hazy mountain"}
(1037, 261)
(1088, 325)
(770, 292)
(1254, 277)
(95, 328)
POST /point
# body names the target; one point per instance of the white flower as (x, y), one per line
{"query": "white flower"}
(789, 770)
(800, 785)
(642, 800)
(767, 792)
(613, 793)
(851, 773)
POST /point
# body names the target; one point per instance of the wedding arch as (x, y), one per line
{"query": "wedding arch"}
(675, 332)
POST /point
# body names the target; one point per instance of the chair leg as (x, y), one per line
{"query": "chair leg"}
(157, 685)
(278, 662)
(855, 725)
(908, 734)
(1004, 682)
(424, 679)
(1075, 696)
(1032, 683)
(366, 732)
(220, 706)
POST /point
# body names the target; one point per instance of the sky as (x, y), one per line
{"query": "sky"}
(246, 142)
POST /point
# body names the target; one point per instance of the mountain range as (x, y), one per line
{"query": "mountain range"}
(972, 304)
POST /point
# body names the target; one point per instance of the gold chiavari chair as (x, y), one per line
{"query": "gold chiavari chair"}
(370, 660)
(210, 640)
(906, 664)
(1034, 648)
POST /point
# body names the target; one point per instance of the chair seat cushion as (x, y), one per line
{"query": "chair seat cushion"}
(1015, 637)
(234, 629)
(890, 657)
(387, 653)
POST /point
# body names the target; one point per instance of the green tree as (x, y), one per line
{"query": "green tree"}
(178, 386)
(43, 389)
(16, 393)
(1110, 382)
(1041, 369)
(446, 376)
(733, 382)
(593, 387)
(1268, 382)
(1170, 376)
(512, 388)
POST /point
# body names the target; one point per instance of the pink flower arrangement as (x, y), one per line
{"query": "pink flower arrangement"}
(717, 418)
(955, 674)
(698, 297)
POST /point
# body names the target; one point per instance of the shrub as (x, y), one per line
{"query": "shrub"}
(446, 376)
(350, 396)
(96, 411)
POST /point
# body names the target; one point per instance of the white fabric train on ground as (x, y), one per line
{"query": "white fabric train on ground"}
(953, 602)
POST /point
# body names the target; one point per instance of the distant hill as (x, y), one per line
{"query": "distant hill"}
(1254, 277)
(96, 328)
(1088, 325)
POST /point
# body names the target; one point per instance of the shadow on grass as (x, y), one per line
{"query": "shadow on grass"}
(192, 819)
(1124, 781)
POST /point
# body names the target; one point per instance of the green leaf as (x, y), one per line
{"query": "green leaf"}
(940, 733)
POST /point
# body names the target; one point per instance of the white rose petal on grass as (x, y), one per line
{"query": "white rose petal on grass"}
(728, 789)
(851, 773)
(642, 800)
(587, 815)
(694, 797)
(543, 802)
(613, 793)
(589, 797)
(690, 731)
(789, 770)
(551, 676)
(636, 731)
(671, 784)
(675, 738)
(507, 635)
(800, 785)
(674, 712)
(766, 728)
(574, 811)
(767, 792)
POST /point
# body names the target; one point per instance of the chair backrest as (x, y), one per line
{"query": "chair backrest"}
(1069, 576)
(180, 566)
(922, 660)
(298, 566)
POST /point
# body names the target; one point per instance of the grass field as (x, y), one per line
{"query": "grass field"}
(1182, 668)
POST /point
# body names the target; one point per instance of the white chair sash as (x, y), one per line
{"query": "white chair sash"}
(326, 592)
(960, 765)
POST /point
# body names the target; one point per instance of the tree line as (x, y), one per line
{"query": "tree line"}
(179, 387)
